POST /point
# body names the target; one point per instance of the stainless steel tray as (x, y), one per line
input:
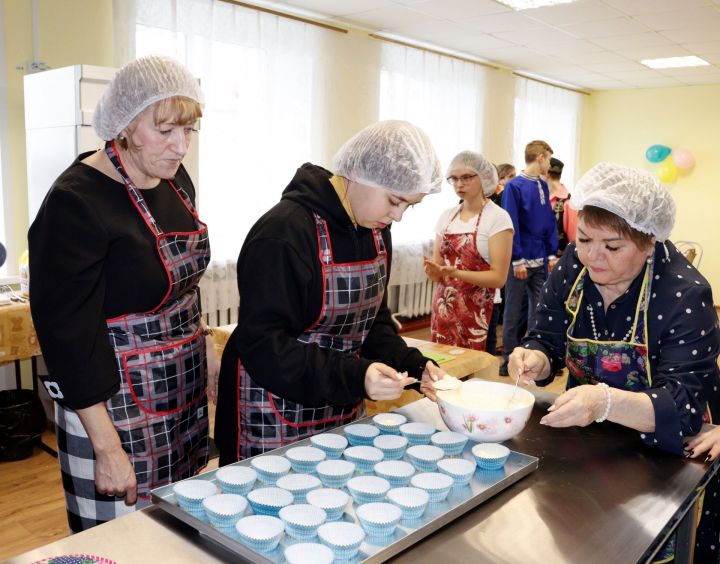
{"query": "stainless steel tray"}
(460, 500)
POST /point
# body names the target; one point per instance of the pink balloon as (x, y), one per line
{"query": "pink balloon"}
(683, 158)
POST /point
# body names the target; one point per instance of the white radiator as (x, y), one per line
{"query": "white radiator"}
(219, 293)
(410, 291)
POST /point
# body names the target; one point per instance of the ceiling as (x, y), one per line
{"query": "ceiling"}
(590, 44)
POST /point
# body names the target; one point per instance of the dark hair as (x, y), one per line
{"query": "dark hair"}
(556, 168)
(504, 169)
(601, 218)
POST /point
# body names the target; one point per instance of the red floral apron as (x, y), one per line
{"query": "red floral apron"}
(352, 290)
(160, 411)
(461, 311)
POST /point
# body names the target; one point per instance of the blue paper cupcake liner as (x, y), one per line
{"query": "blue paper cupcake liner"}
(262, 509)
(259, 545)
(331, 453)
(335, 514)
(454, 449)
(357, 440)
(365, 497)
(227, 522)
(335, 481)
(362, 466)
(396, 481)
(418, 439)
(490, 464)
(342, 552)
(269, 478)
(424, 465)
(378, 531)
(303, 467)
(437, 496)
(392, 428)
(243, 489)
(392, 453)
(300, 532)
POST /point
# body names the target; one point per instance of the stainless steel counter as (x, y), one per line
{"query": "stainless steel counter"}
(599, 495)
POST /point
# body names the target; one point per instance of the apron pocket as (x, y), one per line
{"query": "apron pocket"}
(166, 379)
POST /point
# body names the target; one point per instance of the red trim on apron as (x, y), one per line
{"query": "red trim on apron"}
(160, 411)
(265, 420)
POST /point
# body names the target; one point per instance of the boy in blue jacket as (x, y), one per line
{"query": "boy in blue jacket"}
(535, 242)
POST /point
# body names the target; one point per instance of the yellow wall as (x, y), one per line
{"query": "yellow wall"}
(69, 32)
(619, 125)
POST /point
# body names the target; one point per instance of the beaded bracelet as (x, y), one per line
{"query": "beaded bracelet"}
(608, 404)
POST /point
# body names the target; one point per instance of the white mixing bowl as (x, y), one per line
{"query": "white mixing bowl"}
(479, 409)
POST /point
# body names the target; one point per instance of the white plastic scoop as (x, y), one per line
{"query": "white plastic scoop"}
(447, 383)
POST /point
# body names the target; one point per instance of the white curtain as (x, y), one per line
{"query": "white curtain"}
(257, 72)
(444, 96)
(553, 115)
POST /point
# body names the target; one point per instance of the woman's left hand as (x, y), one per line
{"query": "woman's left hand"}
(705, 442)
(213, 369)
(432, 373)
(578, 406)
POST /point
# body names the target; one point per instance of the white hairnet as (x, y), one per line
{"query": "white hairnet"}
(136, 86)
(630, 193)
(395, 155)
(485, 170)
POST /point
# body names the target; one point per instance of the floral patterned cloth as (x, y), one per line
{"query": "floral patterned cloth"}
(461, 311)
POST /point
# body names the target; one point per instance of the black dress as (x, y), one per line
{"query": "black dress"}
(92, 257)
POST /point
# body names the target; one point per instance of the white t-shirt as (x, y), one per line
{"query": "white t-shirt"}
(494, 219)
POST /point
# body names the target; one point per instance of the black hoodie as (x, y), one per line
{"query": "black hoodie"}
(281, 293)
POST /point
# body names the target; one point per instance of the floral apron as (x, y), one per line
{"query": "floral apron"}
(620, 364)
(160, 411)
(461, 311)
(352, 290)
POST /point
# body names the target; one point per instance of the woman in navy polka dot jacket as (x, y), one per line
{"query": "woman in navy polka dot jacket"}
(633, 322)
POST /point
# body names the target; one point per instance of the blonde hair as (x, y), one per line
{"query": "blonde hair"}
(178, 110)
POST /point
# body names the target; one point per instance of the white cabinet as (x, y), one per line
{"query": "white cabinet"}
(59, 105)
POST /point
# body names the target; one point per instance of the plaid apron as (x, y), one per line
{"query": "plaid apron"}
(461, 311)
(160, 411)
(353, 294)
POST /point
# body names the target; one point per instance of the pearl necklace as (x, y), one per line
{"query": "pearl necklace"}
(626, 338)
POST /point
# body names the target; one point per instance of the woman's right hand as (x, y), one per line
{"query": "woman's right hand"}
(432, 269)
(385, 383)
(114, 475)
(532, 365)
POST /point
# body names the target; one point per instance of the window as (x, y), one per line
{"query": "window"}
(551, 114)
(257, 73)
(444, 96)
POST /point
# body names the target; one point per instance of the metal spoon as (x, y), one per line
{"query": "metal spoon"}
(517, 381)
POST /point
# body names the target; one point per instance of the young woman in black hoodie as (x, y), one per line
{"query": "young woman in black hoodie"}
(314, 336)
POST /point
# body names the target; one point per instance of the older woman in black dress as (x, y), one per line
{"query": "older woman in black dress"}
(116, 251)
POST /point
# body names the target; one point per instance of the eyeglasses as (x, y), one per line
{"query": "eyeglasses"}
(464, 179)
